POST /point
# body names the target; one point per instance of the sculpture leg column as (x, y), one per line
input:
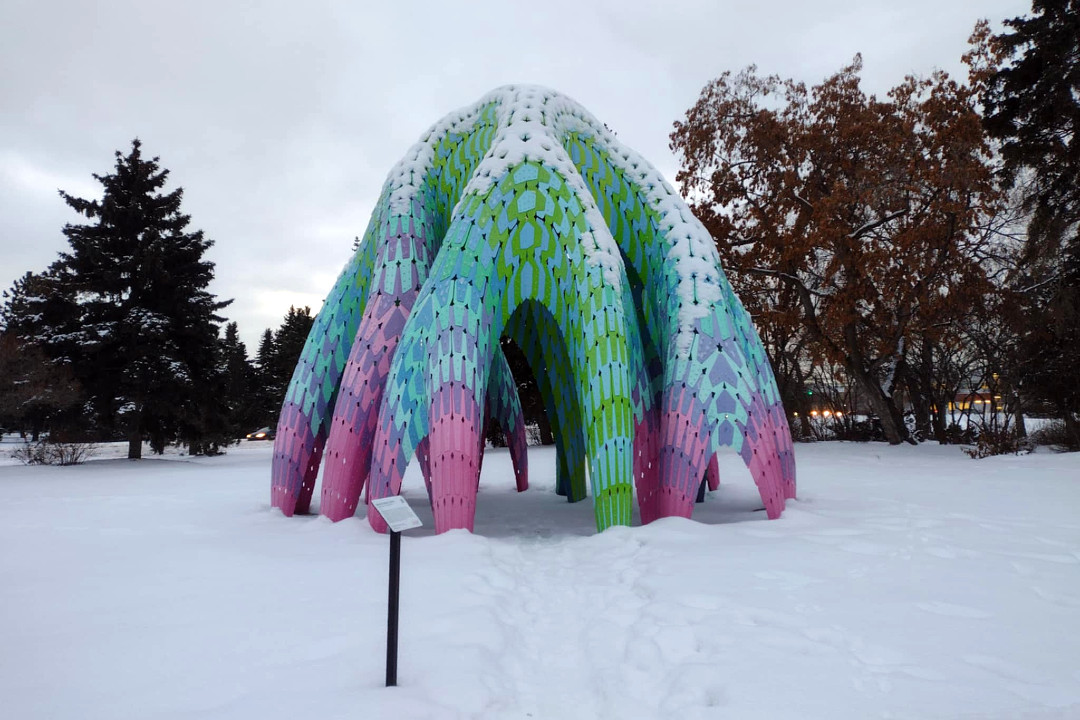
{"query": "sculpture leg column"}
(683, 447)
(712, 474)
(297, 454)
(610, 447)
(647, 465)
(759, 452)
(453, 440)
(519, 449)
(573, 452)
(711, 481)
(423, 456)
(387, 469)
(352, 432)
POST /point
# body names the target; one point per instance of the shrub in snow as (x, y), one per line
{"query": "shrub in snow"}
(1055, 434)
(999, 441)
(523, 216)
(50, 452)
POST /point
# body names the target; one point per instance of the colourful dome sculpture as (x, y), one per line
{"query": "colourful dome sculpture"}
(524, 216)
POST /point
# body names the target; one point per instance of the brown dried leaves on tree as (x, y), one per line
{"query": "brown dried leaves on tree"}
(854, 223)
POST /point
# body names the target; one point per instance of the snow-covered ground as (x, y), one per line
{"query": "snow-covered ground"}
(906, 582)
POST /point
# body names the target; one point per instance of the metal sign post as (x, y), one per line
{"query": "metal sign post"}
(392, 609)
(399, 516)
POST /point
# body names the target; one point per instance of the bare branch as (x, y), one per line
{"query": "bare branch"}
(802, 201)
(1031, 288)
(793, 279)
(874, 224)
(740, 242)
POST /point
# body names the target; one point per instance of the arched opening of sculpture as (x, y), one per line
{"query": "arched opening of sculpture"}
(523, 215)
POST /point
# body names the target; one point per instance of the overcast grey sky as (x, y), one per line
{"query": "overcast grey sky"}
(281, 119)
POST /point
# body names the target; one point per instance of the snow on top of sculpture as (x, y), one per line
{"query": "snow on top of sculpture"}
(523, 216)
(533, 122)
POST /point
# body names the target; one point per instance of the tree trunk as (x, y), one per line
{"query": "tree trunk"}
(134, 444)
(892, 423)
(941, 427)
(1018, 415)
(920, 404)
(1071, 428)
(922, 397)
(135, 435)
(807, 431)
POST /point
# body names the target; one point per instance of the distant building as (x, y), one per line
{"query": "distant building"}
(978, 401)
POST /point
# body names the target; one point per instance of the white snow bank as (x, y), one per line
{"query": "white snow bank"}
(905, 582)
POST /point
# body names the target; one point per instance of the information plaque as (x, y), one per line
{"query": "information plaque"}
(397, 513)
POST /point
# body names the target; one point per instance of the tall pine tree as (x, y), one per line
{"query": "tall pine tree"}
(36, 306)
(239, 383)
(35, 393)
(1032, 106)
(279, 352)
(37, 378)
(267, 402)
(288, 344)
(146, 327)
(275, 360)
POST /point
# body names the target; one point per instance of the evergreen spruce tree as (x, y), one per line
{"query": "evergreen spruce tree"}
(1032, 106)
(264, 356)
(146, 328)
(289, 342)
(38, 390)
(267, 403)
(238, 383)
(38, 309)
(35, 393)
(279, 352)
